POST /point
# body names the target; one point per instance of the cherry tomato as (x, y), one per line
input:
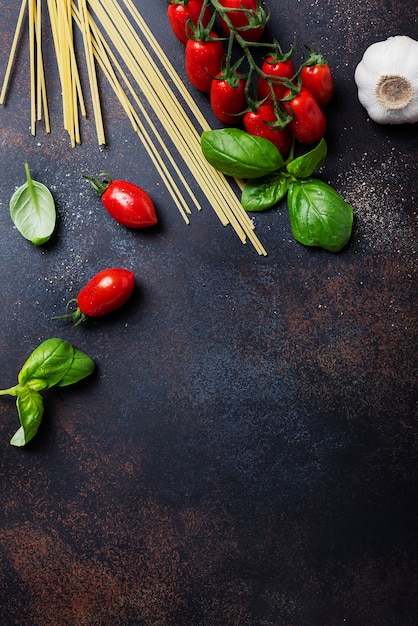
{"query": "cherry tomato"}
(204, 61)
(104, 293)
(255, 124)
(227, 97)
(275, 68)
(249, 24)
(179, 13)
(319, 81)
(127, 203)
(308, 123)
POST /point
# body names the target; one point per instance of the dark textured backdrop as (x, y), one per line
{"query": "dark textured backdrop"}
(246, 453)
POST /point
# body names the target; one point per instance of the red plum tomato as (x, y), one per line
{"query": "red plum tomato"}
(275, 70)
(129, 205)
(308, 123)
(105, 292)
(227, 98)
(204, 61)
(319, 81)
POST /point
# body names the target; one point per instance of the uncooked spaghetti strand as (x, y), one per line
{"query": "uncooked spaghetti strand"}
(92, 72)
(32, 64)
(13, 49)
(38, 36)
(42, 93)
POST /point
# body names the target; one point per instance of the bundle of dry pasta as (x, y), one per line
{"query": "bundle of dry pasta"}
(119, 42)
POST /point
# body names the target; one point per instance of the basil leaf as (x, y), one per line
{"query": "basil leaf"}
(81, 367)
(32, 209)
(263, 193)
(235, 152)
(47, 365)
(305, 165)
(30, 408)
(318, 215)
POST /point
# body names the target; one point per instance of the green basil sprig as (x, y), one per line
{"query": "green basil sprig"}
(318, 214)
(55, 362)
(235, 152)
(32, 209)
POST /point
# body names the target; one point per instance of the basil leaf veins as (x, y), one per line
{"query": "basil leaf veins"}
(235, 152)
(319, 216)
(261, 194)
(32, 209)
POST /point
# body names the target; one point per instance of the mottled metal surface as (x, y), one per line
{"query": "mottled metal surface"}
(246, 453)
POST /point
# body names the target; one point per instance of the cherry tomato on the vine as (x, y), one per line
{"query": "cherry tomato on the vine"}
(181, 12)
(308, 123)
(248, 19)
(204, 61)
(319, 81)
(104, 293)
(127, 203)
(227, 97)
(275, 69)
(258, 122)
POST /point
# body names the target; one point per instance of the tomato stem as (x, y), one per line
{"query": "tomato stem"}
(99, 186)
(76, 316)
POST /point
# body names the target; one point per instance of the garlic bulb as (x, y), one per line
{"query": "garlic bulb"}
(387, 80)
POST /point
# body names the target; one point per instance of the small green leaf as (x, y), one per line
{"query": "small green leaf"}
(235, 152)
(32, 209)
(305, 165)
(318, 215)
(263, 193)
(30, 408)
(47, 365)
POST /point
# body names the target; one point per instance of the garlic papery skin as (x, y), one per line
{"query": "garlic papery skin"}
(387, 80)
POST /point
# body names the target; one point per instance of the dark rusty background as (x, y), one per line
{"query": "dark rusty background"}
(246, 453)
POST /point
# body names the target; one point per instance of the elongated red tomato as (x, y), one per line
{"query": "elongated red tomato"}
(127, 203)
(258, 122)
(275, 69)
(308, 123)
(227, 97)
(249, 19)
(319, 81)
(204, 61)
(105, 292)
(183, 12)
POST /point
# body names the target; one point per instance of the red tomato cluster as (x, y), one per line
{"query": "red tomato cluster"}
(289, 102)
